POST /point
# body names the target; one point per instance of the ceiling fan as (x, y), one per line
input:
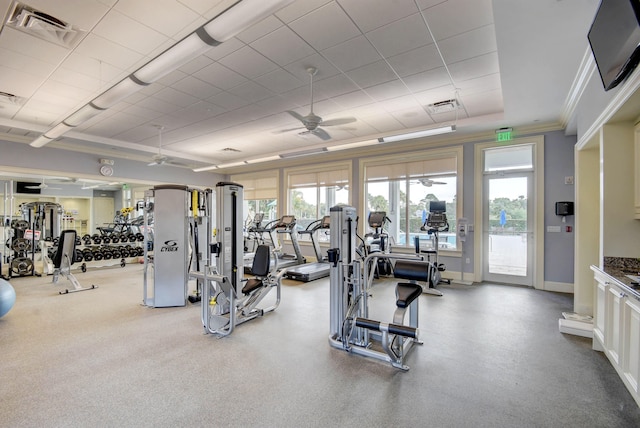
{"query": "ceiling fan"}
(311, 121)
(159, 159)
(42, 186)
(429, 182)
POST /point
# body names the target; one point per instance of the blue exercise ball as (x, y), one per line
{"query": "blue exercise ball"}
(7, 297)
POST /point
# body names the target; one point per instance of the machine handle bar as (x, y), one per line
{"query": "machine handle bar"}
(398, 329)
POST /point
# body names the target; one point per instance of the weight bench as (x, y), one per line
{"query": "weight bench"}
(64, 258)
(415, 271)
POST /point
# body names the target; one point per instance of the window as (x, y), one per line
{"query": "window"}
(403, 186)
(313, 192)
(260, 194)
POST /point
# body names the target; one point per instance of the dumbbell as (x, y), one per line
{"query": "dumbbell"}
(115, 238)
(78, 256)
(87, 255)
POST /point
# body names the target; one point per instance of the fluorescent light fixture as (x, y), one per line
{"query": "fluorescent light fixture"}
(205, 168)
(418, 134)
(267, 159)
(352, 145)
(240, 17)
(85, 113)
(40, 141)
(303, 153)
(232, 21)
(116, 93)
(177, 55)
(232, 164)
(57, 131)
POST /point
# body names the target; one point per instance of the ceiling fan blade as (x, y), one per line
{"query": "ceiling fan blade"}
(340, 121)
(282, 131)
(296, 115)
(321, 133)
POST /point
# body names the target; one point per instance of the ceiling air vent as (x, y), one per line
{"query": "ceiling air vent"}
(230, 149)
(43, 26)
(443, 106)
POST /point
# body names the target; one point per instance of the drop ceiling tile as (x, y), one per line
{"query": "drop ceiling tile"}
(196, 87)
(199, 111)
(224, 49)
(427, 80)
(412, 118)
(18, 82)
(227, 101)
(28, 45)
(248, 62)
(18, 61)
(196, 64)
(158, 105)
(387, 90)
(435, 95)
(484, 103)
(353, 99)
(38, 117)
(165, 16)
(333, 86)
(63, 94)
(77, 80)
(299, 8)
(220, 76)
(415, 61)
(139, 134)
(204, 6)
(171, 78)
(279, 81)
(324, 67)
(251, 91)
(486, 83)
(175, 97)
(369, 17)
(468, 45)
(261, 29)
(401, 36)
(325, 27)
(446, 19)
(143, 112)
(352, 54)
(383, 122)
(125, 31)
(283, 46)
(372, 74)
(475, 67)
(105, 74)
(108, 52)
(278, 104)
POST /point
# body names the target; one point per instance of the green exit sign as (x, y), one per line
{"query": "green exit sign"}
(504, 134)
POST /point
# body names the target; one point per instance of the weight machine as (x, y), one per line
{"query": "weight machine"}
(350, 283)
(227, 300)
(178, 213)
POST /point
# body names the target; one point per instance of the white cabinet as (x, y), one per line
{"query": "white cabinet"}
(631, 350)
(602, 287)
(616, 328)
(636, 150)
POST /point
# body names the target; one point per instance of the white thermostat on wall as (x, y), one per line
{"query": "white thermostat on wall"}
(106, 170)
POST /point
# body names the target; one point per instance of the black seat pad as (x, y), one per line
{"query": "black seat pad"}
(411, 270)
(406, 293)
(251, 285)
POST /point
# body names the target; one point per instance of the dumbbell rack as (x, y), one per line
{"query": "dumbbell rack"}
(21, 262)
(108, 250)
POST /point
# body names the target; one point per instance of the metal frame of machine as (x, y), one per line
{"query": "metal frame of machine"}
(350, 283)
(226, 300)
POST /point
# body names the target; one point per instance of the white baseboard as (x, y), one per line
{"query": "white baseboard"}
(558, 287)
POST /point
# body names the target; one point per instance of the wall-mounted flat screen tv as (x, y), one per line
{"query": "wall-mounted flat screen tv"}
(615, 40)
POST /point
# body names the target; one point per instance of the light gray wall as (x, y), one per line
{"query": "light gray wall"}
(68, 163)
(558, 247)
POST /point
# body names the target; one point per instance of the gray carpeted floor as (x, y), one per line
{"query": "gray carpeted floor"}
(493, 357)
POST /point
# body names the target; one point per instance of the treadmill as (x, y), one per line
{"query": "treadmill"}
(286, 225)
(312, 271)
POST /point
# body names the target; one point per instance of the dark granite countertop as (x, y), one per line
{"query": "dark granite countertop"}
(618, 268)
